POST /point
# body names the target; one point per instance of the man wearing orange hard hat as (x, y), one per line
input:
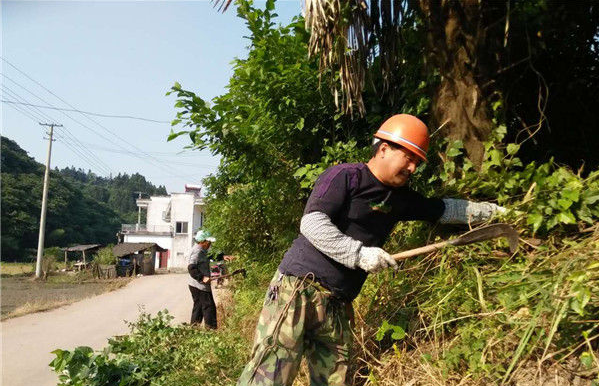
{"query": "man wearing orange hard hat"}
(350, 212)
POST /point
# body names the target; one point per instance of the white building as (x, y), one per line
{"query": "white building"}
(171, 222)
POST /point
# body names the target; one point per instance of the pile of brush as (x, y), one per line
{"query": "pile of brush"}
(476, 314)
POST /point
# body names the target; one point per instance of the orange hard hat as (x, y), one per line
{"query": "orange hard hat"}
(406, 130)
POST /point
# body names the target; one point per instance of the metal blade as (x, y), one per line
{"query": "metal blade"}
(489, 232)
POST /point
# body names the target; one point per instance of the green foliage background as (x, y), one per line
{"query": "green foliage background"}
(82, 207)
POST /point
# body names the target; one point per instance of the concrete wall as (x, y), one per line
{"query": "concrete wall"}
(165, 242)
(181, 211)
(181, 247)
(197, 218)
(156, 206)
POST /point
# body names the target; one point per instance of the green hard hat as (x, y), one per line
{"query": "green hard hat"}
(204, 235)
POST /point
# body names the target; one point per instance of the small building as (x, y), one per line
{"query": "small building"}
(83, 248)
(171, 222)
(139, 254)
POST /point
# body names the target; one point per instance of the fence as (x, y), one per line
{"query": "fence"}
(132, 228)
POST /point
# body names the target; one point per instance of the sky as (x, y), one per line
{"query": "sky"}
(116, 58)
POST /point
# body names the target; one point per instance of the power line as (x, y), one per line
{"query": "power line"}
(15, 95)
(88, 112)
(75, 142)
(101, 168)
(25, 114)
(93, 160)
(100, 148)
(31, 114)
(89, 145)
(161, 154)
(75, 120)
(155, 161)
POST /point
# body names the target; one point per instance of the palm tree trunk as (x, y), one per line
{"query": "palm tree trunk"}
(455, 40)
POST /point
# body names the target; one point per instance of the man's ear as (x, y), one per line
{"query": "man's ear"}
(383, 149)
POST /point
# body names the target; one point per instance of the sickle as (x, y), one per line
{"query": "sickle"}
(488, 232)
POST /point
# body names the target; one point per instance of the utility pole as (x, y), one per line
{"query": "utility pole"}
(40, 242)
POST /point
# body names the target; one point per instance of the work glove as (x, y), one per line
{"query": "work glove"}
(373, 259)
(484, 210)
(463, 211)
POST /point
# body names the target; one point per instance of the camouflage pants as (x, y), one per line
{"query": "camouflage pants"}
(300, 317)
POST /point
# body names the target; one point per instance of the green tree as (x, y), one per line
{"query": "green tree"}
(534, 61)
(82, 207)
(273, 120)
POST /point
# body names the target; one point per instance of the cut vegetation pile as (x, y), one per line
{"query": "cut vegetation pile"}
(474, 315)
(471, 316)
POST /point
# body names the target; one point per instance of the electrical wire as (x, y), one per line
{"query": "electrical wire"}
(75, 120)
(88, 112)
(92, 160)
(150, 158)
(31, 114)
(71, 144)
(80, 155)
(25, 114)
(161, 154)
(197, 165)
(64, 136)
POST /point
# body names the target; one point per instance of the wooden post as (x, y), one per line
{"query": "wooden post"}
(65, 259)
(84, 263)
(153, 259)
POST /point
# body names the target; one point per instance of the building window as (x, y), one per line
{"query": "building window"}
(181, 227)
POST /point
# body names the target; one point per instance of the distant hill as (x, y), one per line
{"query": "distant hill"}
(82, 207)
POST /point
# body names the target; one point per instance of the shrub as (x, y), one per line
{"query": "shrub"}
(48, 265)
(105, 256)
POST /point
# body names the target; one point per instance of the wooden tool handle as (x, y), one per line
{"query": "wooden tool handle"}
(419, 251)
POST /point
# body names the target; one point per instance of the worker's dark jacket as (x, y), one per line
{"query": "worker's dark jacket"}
(362, 208)
(198, 266)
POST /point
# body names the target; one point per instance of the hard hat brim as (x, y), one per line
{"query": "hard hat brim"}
(386, 136)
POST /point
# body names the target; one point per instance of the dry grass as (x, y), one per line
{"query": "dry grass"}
(409, 368)
(23, 295)
(36, 306)
(509, 355)
(224, 304)
(12, 269)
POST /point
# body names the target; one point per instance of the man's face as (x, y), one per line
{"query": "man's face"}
(398, 164)
(205, 244)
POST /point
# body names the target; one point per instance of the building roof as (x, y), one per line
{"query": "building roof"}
(193, 188)
(81, 247)
(125, 249)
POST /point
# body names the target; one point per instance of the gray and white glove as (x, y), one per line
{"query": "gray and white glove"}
(464, 211)
(373, 259)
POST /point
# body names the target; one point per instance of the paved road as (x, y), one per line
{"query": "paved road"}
(28, 340)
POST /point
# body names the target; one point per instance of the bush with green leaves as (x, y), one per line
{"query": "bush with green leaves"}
(276, 120)
(156, 353)
(105, 256)
(478, 311)
(53, 251)
(542, 197)
(84, 367)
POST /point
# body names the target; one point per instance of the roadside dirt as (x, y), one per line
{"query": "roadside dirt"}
(22, 295)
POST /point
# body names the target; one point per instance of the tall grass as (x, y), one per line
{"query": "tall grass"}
(481, 314)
